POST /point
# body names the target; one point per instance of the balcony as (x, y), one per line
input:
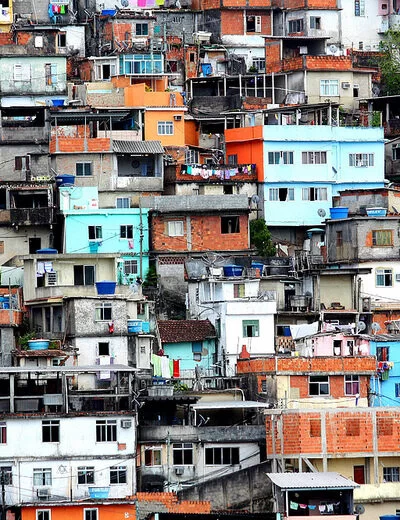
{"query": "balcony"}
(79, 144)
(31, 216)
(21, 134)
(248, 433)
(215, 173)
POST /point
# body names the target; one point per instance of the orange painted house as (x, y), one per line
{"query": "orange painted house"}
(247, 145)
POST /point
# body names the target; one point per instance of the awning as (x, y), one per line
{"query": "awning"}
(137, 147)
(305, 481)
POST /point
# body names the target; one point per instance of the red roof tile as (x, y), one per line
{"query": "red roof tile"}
(179, 331)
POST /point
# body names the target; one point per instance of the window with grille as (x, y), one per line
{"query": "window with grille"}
(130, 267)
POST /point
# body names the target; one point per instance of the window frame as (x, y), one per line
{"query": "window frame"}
(359, 7)
(351, 382)
(126, 232)
(222, 453)
(175, 228)
(50, 74)
(384, 272)
(44, 475)
(314, 157)
(165, 128)
(282, 157)
(182, 451)
(153, 457)
(123, 202)
(83, 169)
(106, 430)
(296, 25)
(96, 232)
(88, 274)
(329, 87)
(103, 343)
(314, 194)
(381, 235)
(255, 328)
(7, 471)
(361, 160)
(51, 430)
(118, 475)
(88, 513)
(103, 311)
(323, 381)
(315, 22)
(393, 471)
(275, 193)
(131, 267)
(230, 224)
(43, 514)
(3, 432)
(85, 475)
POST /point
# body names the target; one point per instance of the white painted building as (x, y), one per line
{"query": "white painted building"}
(58, 457)
(240, 312)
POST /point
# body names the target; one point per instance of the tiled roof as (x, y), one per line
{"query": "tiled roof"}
(179, 331)
(137, 147)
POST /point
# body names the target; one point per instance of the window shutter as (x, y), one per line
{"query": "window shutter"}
(258, 24)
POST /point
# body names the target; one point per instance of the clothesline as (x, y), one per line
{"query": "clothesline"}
(323, 508)
(223, 172)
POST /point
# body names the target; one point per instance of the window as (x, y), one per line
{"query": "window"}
(391, 474)
(126, 231)
(193, 157)
(197, 350)
(152, 457)
(382, 237)
(83, 274)
(142, 29)
(51, 431)
(233, 159)
(219, 456)
(329, 87)
(382, 353)
(228, 189)
(182, 453)
(103, 311)
(123, 202)
(50, 72)
(165, 128)
(86, 475)
(42, 477)
(22, 72)
(118, 475)
(230, 225)
(43, 514)
(95, 232)
(359, 7)
(83, 169)
(253, 24)
(90, 514)
(21, 162)
(239, 290)
(360, 160)
(130, 267)
(280, 157)
(397, 389)
(339, 238)
(281, 194)
(3, 433)
(351, 384)
(315, 22)
(106, 430)
(61, 40)
(141, 63)
(383, 277)
(104, 348)
(314, 194)
(296, 26)
(396, 152)
(259, 64)
(175, 228)
(250, 328)
(318, 385)
(313, 157)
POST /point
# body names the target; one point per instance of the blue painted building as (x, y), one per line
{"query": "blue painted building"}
(305, 166)
(385, 386)
(117, 230)
(192, 343)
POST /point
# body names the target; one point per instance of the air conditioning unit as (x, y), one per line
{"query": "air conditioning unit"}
(43, 493)
(179, 471)
(148, 13)
(356, 85)
(178, 118)
(126, 423)
(50, 279)
(397, 277)
(345, 84)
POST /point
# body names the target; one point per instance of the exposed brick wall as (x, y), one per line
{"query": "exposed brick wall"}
(349, 431)
(232, 22)
(70, 144)
(171, 503)
(310, 4)
(272, 56)
(205, 234)
(329, 62)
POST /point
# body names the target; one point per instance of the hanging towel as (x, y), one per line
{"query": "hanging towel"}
(165, 368)
(130, 243)
(312, 507)
(156, 362)
(175, 371)
(141, 3)
(160, 2)
(294, 505)
(321, 509)
(40, 268)
(303, 506)
(329, 508)
(48, 267)
(62, 9)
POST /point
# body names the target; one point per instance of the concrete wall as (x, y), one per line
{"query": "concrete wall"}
(83, 322)
(248, 489)
(336, 289)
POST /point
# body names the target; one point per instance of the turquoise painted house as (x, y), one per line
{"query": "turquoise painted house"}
(306, 166)
(385, 386)
(192, 343)
(121, 231)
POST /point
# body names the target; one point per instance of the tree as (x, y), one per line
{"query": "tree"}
(260, 238)
(389, 62)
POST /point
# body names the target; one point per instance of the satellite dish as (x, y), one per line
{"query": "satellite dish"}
(359, 509)
(321, 212)
(333, 48)
(375, 327)
(124, 3)
(255, 199)
(360, 325)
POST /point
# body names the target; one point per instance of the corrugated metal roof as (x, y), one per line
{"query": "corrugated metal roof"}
(303, 481)
(137, 147)
(219, 405)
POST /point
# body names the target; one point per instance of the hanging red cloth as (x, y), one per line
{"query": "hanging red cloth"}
(175, 368)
